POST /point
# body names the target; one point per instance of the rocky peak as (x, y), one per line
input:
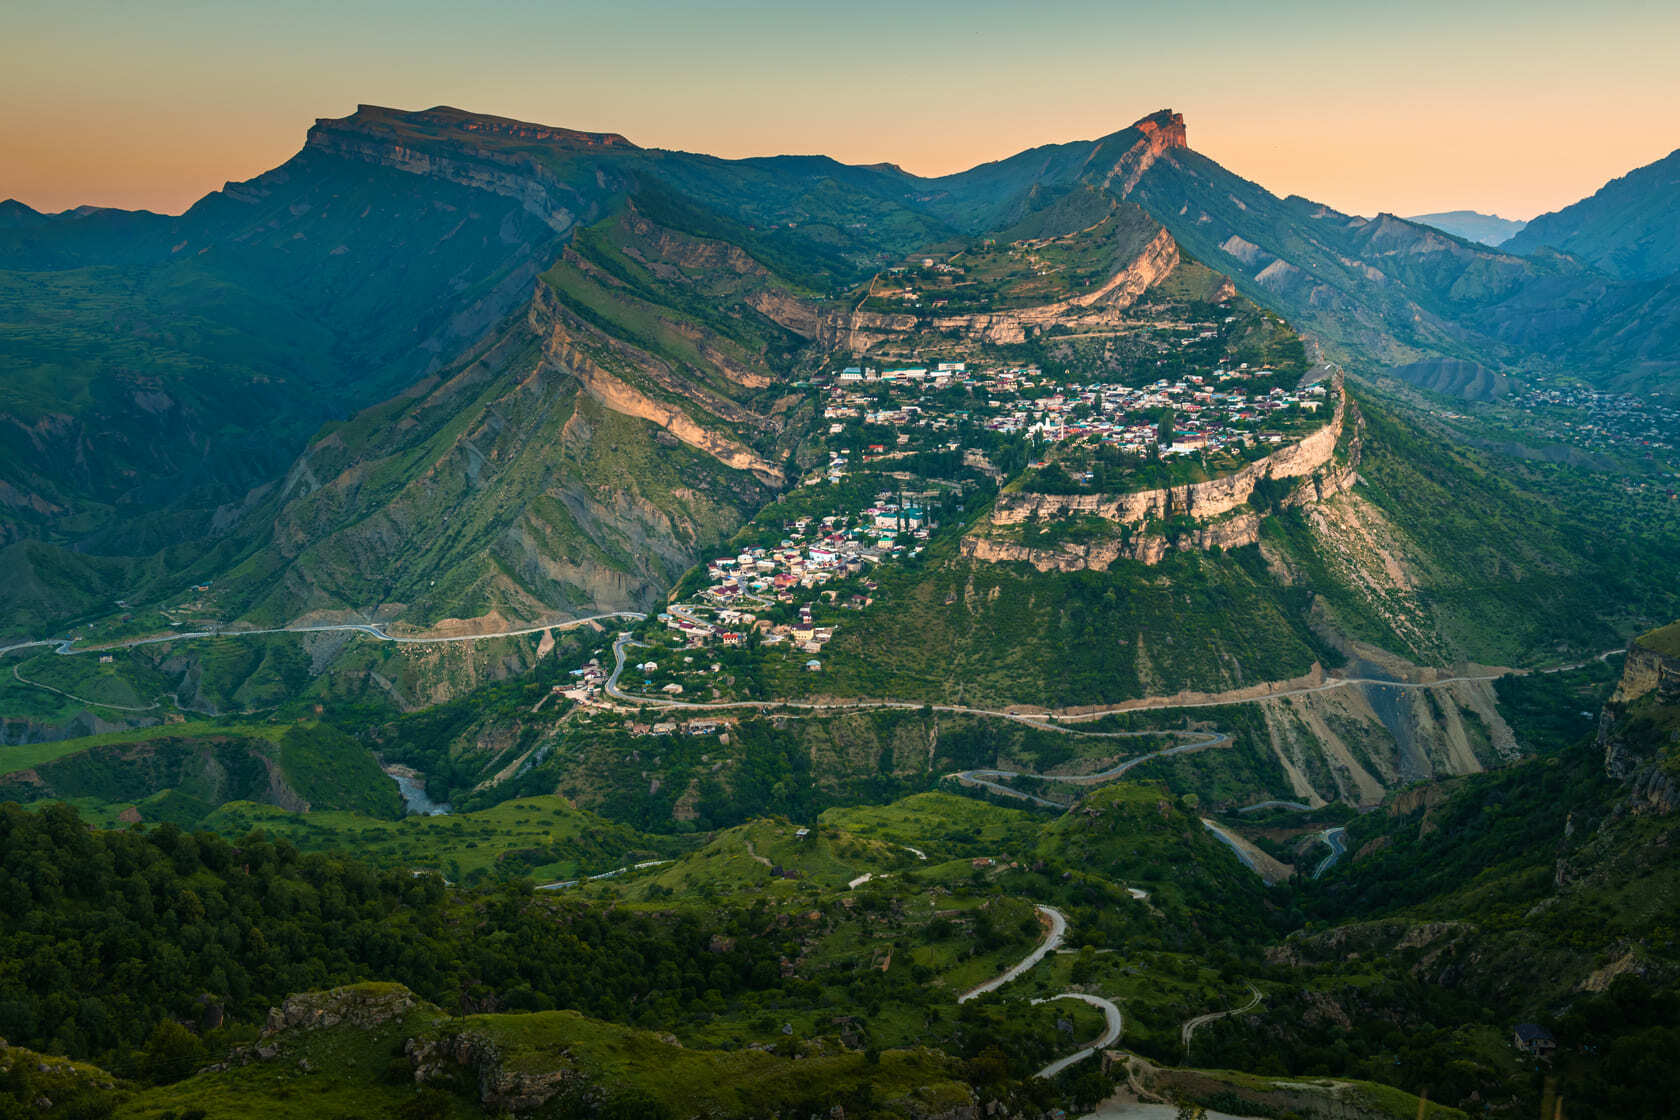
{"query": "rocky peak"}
(1160, 132)
(1163, 130)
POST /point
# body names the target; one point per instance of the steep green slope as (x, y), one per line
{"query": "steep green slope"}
(1384, 291)
(1545, 892)
(189, 376)
(1440, 554)
(1630, 227)
(180, 775)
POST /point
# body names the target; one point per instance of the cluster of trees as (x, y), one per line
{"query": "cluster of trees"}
(106, 935)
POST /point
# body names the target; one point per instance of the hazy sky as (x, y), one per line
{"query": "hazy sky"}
(1514, 108)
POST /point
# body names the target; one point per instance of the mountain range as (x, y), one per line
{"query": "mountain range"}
(838, 590)
(1487, 229)
(187, 395)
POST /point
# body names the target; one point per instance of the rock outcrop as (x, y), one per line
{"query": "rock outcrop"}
(1639, 729)
(565, 347)
(858, 331)
(359, 1005)
(387, 138)
(500, 1089)
(1202, 500)
(1092, 310)
(1162, 132)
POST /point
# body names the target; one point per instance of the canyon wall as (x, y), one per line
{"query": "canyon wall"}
(564, 348)
(1637, 739)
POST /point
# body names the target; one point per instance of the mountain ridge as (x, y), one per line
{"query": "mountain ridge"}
(1488, 229)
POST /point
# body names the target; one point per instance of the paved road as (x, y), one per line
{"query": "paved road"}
(21, 679)
(986, 778)
(1057, 927)
(1110, 1035)
(1048, 720)
(1231, 842)
(1189, 1029)
(67, 646)
(1292, 806)
(1336, 838)
(1196, 741)
(613, 874)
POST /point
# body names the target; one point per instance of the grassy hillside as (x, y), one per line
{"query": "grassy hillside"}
(300, 767)
(544, 839)
(1543, 892)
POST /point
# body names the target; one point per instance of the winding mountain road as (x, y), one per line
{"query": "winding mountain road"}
(1056, 928)
(1188, 1030)
(1110, 1035)
(67, 646)
(1053, 719)
(1292, 806)
(1197, 741)
(1336, 838)
(1055, 924)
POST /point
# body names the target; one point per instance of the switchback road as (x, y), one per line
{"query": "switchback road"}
(1188, 1030)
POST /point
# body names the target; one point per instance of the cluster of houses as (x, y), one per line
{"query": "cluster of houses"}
(1602, 421)
(1209, 412)
(818, 550)
(1212, 411)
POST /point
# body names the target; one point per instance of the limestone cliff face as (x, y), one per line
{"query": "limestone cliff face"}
(1214, 498)
(858, 331)
(1090, 310)
(1633, 733)
(565, 347)
(1162, 132)
(371, 137)
(1221, 505)
(1232, 532)
(1647, 671)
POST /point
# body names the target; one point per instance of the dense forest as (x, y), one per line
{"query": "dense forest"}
(105, 935)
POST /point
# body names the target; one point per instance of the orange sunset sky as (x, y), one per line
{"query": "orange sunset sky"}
(1507, 108)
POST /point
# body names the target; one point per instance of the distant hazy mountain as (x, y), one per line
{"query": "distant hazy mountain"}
(1630, 227)
(1472, 225)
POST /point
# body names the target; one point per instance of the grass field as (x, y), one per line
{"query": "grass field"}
(543, 838)
(31, 755)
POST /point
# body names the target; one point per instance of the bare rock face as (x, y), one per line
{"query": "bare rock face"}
(360, 1005)
(1202, 500)
(1649, 678)
(566, 348)
(858, 331)
(500, 1090)
(1092, 310)
(1162, 132)
(1647, 671)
